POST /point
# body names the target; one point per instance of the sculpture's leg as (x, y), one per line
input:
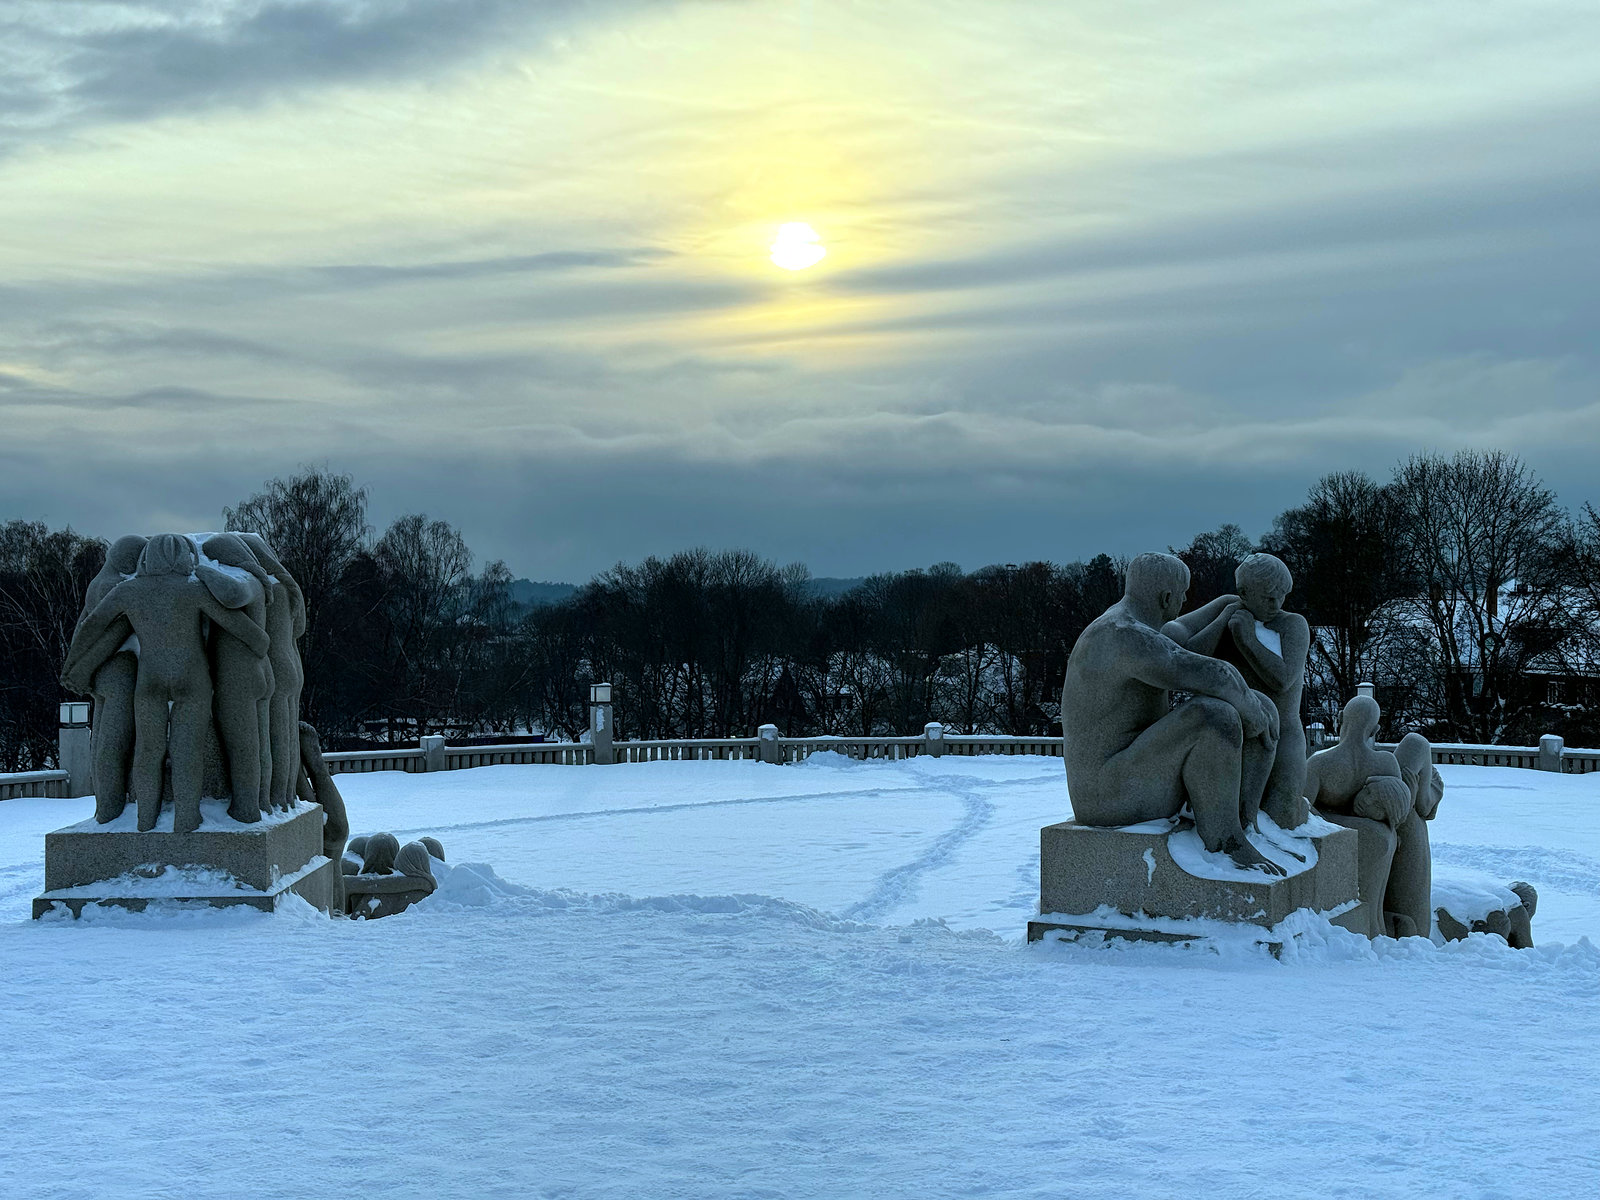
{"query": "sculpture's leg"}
(1213, 777)
(1410, 890)
(264, 747)
(1375, 853)
(1257, 757)
(285, 748)
(1521, 935)
(114, 687)
(1285, 800)
(239, 723)
(186, 748)
(149, 753)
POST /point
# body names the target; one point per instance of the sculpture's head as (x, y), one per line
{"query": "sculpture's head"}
(264, 555)
(412, 861)
(1529, 897)
(1158, 581)
(1359, 721)
(1263, 582)
(356, 847)
(230, 550)
(123, 557)
(1415, 755)
(379, 854)
(434, 847)
(168, 554)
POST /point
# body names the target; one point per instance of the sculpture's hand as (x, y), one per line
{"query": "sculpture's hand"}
(1241, 623)
(1255, 716)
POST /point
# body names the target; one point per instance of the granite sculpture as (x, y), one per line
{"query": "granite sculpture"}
(1361, 787)
(1131, 756)
(390, 877)
(111, 686)
(188, 645)
(315, 785)
(163, 604)
(1268, 645)
(1511, 922)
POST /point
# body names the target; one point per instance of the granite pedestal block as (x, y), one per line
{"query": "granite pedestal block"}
(222, 863)
(1159, 870)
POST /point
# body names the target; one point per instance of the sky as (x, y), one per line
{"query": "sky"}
(1099, 276)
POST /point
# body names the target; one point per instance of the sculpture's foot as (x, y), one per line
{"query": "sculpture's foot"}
(107, 811)
(245, 812)
(1400, 925)
(1289, 815)
(1245, 856)
(185, 819)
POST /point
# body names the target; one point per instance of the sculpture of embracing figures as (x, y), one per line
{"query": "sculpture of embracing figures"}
(187, 644)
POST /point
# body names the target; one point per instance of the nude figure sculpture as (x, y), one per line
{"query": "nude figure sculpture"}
(1356, 785)
(1130, 756)
(112, 685)
(1269, 647)
(371, 895)
(316, 786)
(164, 604)
(286, 623)
(242, 679)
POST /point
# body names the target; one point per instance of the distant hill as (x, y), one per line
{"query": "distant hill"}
(828, 587)
(535, 595)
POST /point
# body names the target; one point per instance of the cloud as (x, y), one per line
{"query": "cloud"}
(74, 64)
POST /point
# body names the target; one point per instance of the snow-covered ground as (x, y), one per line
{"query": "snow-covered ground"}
(733, 979)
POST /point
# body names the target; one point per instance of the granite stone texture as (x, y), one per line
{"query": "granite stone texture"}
(1133, 871)
(223, 862)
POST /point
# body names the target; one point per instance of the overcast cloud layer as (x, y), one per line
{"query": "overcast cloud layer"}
(1099, 276)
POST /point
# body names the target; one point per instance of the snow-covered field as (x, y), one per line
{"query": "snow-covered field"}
(734, 979)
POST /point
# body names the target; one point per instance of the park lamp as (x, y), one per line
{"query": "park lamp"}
(74, 712)
(599, 693)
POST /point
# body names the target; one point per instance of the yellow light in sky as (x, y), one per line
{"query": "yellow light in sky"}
(797, 247)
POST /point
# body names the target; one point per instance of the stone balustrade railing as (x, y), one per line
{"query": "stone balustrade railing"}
(767, 746)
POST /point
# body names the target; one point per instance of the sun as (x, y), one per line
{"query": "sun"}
(797, 247)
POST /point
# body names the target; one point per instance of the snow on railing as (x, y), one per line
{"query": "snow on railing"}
(15, 786)
(434, 755)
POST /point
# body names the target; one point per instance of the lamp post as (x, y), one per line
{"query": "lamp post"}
(73, 754)
(600, 723)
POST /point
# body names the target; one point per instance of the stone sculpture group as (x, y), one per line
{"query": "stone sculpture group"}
(382, 877)
(188, 645)
(1231, 754)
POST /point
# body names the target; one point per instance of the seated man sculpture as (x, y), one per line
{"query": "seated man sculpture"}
(1269, 646)
(1130, 755)
(1356, 785)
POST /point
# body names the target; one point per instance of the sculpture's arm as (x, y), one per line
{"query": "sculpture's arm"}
(1157, 661)
(227, 590)
(87, 637)
(1280, 673)
(298, 599)
(83, 661)
(1431, 793)
(235, 622)
(380, 885)
(1201, 630)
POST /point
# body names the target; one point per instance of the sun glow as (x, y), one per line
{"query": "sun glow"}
(797, 247)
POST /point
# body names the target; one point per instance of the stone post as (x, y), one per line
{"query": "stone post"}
(1316, 736)
(72, 748)
(767, 748)
(1365, 689)
(1550, 747)
(433, 752)
(600, 723)
(933, 733)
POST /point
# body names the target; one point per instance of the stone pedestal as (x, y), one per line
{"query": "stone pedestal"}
(222, 863)
(1146, 882)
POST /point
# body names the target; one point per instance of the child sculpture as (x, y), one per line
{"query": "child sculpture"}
(1269, 647)
(286, 623)
(164, 604)
(111, 666)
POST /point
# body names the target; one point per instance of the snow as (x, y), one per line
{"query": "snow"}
(733, 979)
(1270, 639)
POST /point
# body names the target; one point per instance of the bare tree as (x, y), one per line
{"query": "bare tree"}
(1483, 539)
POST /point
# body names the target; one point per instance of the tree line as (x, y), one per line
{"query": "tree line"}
(1460, 586)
